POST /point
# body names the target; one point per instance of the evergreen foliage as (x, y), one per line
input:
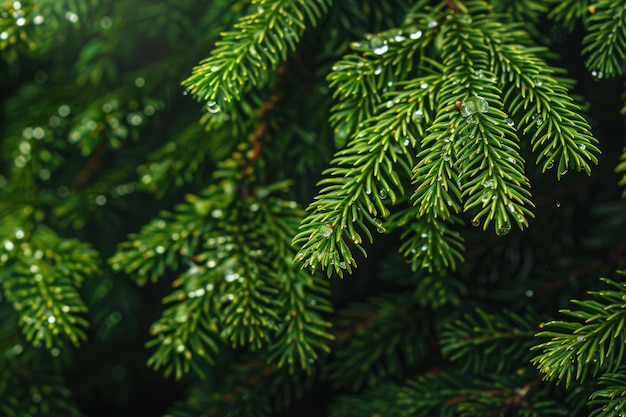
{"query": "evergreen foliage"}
(183, 186)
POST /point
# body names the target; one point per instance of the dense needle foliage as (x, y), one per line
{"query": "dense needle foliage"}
(312, 207)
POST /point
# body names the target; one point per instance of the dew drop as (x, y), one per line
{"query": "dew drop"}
(378, 46)
(24, 147)
(64, 110)
(135, 119)
(106, 22)
(582, 147)
(558, 204)
(581, 339)
(231, 276)
(72, 17)
(100, 200)
(550, 164)
(504, 229)
(399, 37)
(538, 83)
(382, 194)
(213, 107)
(378, 71)
(379, 226)
(415, 33)
(481, 104)
(418, 116)
(54, 121)
(509, 121)
(475, 222)
(38, 133)
(325, 231)
(474, 105)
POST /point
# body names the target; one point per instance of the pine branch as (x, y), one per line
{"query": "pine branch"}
(377, 341)
(42, 284)
(475, 340)
(528, 11)
(569, 12)
(430, 243)
(609, 401)
(605, 42)
(590, 344)
(251, 388)
(449, 394)
(22, 366)
(28, 27)
(361, 80)
(364, 174)
(490, 174)
(245, 56)
(240, 270)
(540, 102)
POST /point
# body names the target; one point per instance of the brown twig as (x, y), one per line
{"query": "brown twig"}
(91, 168)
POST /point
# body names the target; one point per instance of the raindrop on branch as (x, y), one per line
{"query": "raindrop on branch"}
(378, 46)
(415, 33)
(213, 107)
(325, 231)
(504, 229)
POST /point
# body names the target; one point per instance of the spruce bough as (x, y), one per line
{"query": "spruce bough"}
(430, 153)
